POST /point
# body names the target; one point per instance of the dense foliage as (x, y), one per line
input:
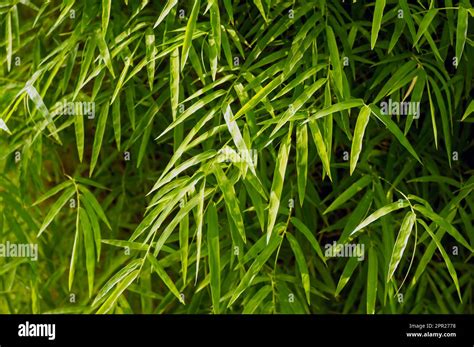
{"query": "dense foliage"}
(210, 156)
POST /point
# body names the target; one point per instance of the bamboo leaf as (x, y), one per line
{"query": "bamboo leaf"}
(302, 160)
(380, 213)
(9, 40)
(393, 128)
(166, 10)
(164, 277)
(303, 267)
(298, 224)
(230, 197)
(89, 247)
(442, 222)
(99, 136)
(401, 243)
(214, 257)
(461, 32)
(297, 104)
(52, 192)
(68, 193)
(119, 289)
(335, 60)
(106, 5)
(372, 281)
(376, 22)
(320, 146)
(351, 265)
(469, 110)
(188, 36)
(349, 193)
(425, 23)
(361, 124)
(449, 264)
(277, 184)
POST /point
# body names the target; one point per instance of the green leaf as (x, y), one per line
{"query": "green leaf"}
(215, 38)
(94, 225)
(301, 261)
(376, 22)
(401, 243)
(445, 119)
(104, 52)
(257, 300)
(94, 204)
(79, 129)
(469, 110)
(41, 107)
(87, 58)
(297, 104)
(99, 136)
(188, 36)
(9, 40)
(232, 204)
(52, 192)
(123, 74)
(164, 277)
(351, 265)
(54, 210)
(150, 55)
(257, 264)
(302, 160)
(372, 281)
(116, 121)
(361, 124)
(425, 23)
(395, 130)
(340, 106)
(199, 225)
(89, 247)
(443, 223)
(262, 93)
(299, 225)
(320, 146)
(259, 5)
(193, 109)
(214, 257)
(335, 60)
(449, 264)
(106, 5)
(277, 184)
(115, 279)
(119, 289)
(184, 245)
(380, 213)
(168, 7)
(75, 251)
(399, 27)
(349, 193)
(234, 130)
